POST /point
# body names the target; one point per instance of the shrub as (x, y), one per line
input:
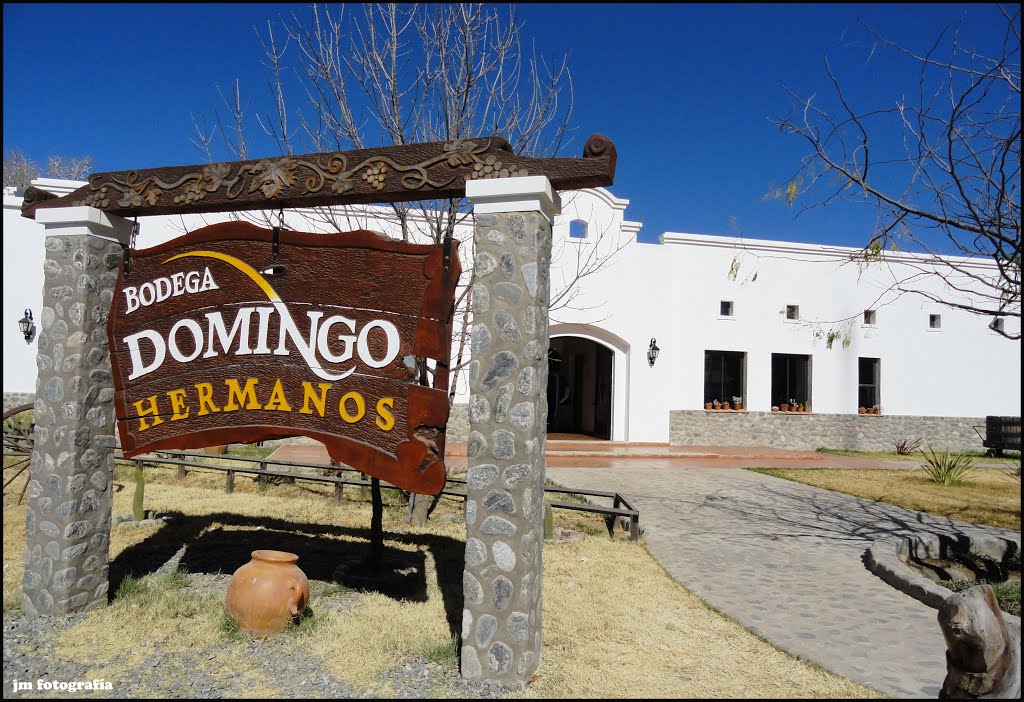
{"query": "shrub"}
(947, 468)
(905, 447)
(446, 654)
(1007, 594)
(131, 587)
(229, 628)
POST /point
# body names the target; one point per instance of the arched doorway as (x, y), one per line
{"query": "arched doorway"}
(580, 387)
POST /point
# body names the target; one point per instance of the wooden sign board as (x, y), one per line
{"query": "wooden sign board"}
(225, 336)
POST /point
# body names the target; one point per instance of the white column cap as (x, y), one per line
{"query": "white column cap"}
(516, 194)
(67, 221)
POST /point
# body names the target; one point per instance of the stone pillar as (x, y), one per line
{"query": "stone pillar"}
(67, 527)
(501, 622)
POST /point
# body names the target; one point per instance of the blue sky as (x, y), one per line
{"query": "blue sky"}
(684, 91)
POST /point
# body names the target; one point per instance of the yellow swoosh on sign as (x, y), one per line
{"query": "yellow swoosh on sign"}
(237, 263)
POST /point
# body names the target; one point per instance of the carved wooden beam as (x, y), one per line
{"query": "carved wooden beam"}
(388, 174)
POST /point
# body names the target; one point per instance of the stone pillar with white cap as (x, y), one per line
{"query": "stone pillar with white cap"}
(502, 619)
(67, 528)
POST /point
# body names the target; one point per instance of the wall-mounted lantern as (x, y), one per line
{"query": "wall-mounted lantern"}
(652, 353)
(27, 326)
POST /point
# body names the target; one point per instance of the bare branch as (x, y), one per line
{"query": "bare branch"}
(953, 190)
(388, 73)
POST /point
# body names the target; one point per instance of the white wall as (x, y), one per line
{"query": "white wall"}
(636, 309)
(23, 289)
(623, 304)
(671, 291)
(963, 370)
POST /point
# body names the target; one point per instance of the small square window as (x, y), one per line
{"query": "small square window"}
(998, 325)
(725, 308)
(935, 321)
(577, 229)
(869, 317)
(792, 311)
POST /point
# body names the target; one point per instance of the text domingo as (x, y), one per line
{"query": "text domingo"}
(179, 403)
(212, 336)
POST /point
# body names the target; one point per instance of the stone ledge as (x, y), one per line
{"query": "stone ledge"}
(812, 430)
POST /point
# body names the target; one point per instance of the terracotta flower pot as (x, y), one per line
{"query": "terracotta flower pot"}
(784, 408)
(267, 592)
(862, 410)
(707, 405)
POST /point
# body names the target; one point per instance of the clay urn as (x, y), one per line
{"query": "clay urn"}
(267, 592)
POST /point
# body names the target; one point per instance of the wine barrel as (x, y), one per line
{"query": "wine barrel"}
(1002, 434)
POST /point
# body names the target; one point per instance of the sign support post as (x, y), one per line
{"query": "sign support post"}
(70, 495)
(501, 622)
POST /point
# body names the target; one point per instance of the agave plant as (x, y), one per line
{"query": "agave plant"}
(947, 468)
(906, 447)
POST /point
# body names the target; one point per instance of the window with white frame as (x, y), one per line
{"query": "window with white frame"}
(998, 325)
(725, 308)
(792, 312)
(935, 322)
(869, 318)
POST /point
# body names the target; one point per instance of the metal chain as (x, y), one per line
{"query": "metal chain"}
(132, 238)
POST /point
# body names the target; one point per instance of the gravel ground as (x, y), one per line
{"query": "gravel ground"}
(29, 656)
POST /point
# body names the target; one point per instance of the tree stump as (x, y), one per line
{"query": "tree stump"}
(983, 659)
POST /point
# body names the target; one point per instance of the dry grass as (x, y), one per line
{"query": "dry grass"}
(650, 637)
(979, 457)
(615, 624)
(988, 497)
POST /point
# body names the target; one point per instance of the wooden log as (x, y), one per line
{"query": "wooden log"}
(427, 171)
(983, 659)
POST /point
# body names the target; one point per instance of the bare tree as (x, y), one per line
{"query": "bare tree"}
(940, 165)
(69, 167)
(388, 74)
(19, 170)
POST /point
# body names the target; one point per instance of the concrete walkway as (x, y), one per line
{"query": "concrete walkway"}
(594, 454)
(785, 560)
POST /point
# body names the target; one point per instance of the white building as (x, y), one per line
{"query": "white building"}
(771, 323)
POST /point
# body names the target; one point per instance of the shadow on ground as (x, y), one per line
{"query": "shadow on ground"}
(341, 558)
